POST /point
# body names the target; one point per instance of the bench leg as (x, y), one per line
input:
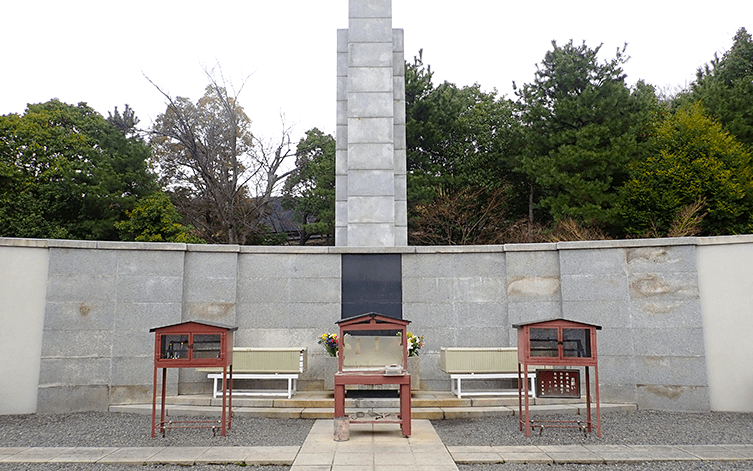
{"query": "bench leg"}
(290, 388)
(455, 386)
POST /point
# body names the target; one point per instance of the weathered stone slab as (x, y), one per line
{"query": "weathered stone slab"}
(712, 452)
(83, 455)
(37, 455)
(131, 455)
(185, 456)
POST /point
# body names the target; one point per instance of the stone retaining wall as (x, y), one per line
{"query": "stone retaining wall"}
(75, 316)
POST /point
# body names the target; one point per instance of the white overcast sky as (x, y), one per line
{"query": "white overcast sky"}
(99, 51)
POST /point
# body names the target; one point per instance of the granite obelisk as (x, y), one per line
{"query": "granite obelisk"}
(371, 208)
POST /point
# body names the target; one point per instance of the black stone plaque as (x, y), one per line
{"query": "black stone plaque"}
(372, 283)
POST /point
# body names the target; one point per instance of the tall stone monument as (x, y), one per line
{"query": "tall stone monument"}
(371, 208)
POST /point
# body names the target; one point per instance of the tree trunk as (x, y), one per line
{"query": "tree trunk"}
(530, 213)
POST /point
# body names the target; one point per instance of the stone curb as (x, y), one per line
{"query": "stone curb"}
(286, 455)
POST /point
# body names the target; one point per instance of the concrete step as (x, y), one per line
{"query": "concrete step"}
(432, 405)
(325, 399)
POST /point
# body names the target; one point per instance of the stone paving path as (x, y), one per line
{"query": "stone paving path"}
(376, 447)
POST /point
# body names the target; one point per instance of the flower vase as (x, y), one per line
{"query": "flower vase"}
(330, 368)
(415, 373)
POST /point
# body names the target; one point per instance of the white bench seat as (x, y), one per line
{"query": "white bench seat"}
(292, 379)
(481, 363)
(457, 388)
(260, 363)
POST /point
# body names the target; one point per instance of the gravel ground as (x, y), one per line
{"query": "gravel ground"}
(668, 466)
(617, 428)
(134, 430)
(623, 428)
(103, 467)
(129, 430)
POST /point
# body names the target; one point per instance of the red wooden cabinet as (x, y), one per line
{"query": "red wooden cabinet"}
(193, 344)
(561, 343)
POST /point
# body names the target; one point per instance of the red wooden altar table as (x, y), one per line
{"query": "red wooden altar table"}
(365, 325)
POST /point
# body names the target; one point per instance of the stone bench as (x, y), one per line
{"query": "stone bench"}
(468, 363)
(261, 363)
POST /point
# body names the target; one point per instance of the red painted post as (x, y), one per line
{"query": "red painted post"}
(154, 400)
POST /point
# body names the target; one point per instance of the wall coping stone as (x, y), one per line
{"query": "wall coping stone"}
(72, 244)
(283, 249)
(725, 240)
(15, 242)
(530, 247)
(435, 249)
(213, 248)
(165, 246)
(627, 243)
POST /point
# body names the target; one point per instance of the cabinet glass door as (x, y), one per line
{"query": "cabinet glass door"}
(174, 347)
(576, 343)
(544, 342)
(207, 346)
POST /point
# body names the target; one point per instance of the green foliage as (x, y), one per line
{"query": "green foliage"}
(270, 238)
(424, 117)
(725, 88)
(66, 172)
(452, 133)
(692, 158)
(126, 122)
(459, 141)
(583, 128)
(310, 189)
(155, 219)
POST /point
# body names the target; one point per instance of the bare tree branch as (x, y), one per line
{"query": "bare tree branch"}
(223, 177)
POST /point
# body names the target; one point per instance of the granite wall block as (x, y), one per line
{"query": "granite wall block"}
(370, 8)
